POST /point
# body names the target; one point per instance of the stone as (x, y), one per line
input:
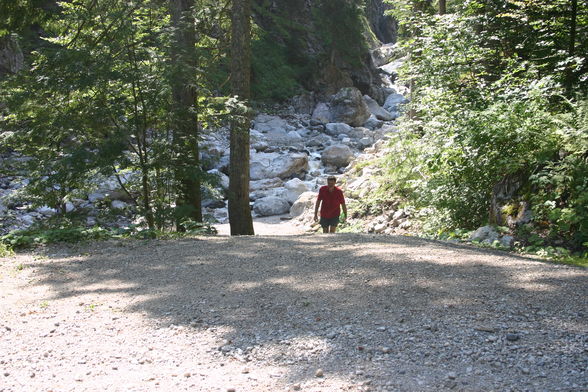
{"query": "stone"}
(96, 196)
(321, 113)
(271, 205)
(348, 106)
(319, 373)
(304, 103)
(507, 241)
(393, 101)
(379, 228)
(484, 233)
(294, 136)
(405, 225)
(294, 188)
(265, 184)
(69, 207)
(118, 205)
(512, 337)
(269, 165)
(338, 155)
(319, 141)
(305, 202)
(222, 178)
(336, 129)
(376, 110)
(373, 123)
(44, 210)
(383, 54)
(27, 219)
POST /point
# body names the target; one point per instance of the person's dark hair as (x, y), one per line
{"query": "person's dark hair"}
(331, 178)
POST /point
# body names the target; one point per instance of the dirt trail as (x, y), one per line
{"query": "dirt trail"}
(277, 313)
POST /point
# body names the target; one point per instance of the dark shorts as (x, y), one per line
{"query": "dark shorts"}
(326, 222)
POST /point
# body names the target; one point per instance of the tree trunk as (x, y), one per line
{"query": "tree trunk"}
(186, 164)
(239, 210)
(442, 7)
(572, 46)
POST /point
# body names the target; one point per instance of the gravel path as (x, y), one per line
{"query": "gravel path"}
(279, 313)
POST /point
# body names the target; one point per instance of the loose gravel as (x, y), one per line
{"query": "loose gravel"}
(345, 312)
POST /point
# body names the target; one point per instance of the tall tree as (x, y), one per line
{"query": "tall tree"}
(185, 112)
(442, 7)
(239, 209)
(572, 45)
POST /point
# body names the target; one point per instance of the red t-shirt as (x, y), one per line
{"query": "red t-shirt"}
(330, 202)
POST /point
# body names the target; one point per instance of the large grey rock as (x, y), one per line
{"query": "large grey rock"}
(304, 203)
(304, 103)
(271, 205)
(338, 155)
(294, 188)
(336, 129)
(265, 184)
(382, 55)
(377, 110)
(348, 106)
(321, 113)
(270, 165)
(507, 241)
(485, 234)
(275, 131)
(373, 123)
(394, 101)
(265, 123)
(222, 178)
(119, 205)
(319, 141)
(43, 210)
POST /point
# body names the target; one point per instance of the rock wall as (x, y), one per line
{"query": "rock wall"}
(299, 25)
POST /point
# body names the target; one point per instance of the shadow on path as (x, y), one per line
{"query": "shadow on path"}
(404, 311)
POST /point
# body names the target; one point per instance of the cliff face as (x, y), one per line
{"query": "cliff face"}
(333, 37)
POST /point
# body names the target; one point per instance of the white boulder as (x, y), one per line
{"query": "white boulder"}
(294, 188)
(376, 110)
(270, 165)
(338, 155)
(271, 205)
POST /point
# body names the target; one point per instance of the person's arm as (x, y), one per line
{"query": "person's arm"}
(316, 208)
(344, 206)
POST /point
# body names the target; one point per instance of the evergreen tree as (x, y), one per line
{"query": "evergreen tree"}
(239, 209)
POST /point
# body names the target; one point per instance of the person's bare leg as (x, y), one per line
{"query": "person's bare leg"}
(332, 229)
(325, 229)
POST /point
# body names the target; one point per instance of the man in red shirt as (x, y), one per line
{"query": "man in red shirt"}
(331, 198)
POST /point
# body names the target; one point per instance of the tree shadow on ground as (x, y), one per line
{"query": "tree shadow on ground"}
(403, 311)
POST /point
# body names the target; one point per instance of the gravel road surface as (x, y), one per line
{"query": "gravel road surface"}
(344, 312)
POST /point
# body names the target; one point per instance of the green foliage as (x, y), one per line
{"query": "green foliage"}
(274, 77)
(5, 250)
(341, 26)
(75, 234)
(30, 237)
(97, 100)
(488, 86)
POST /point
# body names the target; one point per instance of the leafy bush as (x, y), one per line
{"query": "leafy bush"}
(5, 250)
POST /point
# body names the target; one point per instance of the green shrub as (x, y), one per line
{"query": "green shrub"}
(5, 250)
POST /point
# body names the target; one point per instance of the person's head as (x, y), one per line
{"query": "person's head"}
(331, 181)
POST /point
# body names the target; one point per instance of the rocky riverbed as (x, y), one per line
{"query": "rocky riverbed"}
(292, 151)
